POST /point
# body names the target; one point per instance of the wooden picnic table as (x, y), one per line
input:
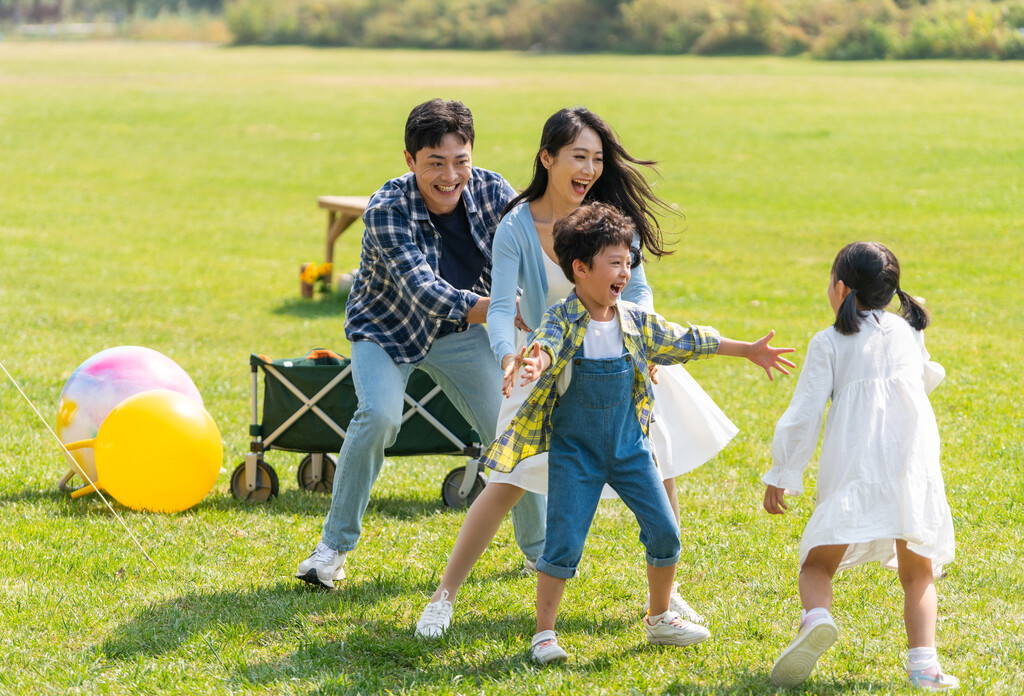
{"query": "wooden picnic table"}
(342, 211)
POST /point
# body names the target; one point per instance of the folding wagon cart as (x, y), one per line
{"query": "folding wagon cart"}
(307, 405)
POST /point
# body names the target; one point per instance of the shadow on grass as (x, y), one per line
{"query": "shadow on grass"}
(327, 307)
(344, 644)
(288, 604)
(293, 501)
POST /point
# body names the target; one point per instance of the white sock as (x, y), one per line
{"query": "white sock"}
(655, 619)
(922, 657)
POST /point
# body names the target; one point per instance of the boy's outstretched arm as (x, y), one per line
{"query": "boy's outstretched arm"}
(775, 500)
(758, 352)
(534, 364)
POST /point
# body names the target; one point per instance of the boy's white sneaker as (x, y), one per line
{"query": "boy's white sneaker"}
(931, 677)
(797, 661)
(322, 567)
(672, 629)
(545, 649)
(437, 616)
(677, 604)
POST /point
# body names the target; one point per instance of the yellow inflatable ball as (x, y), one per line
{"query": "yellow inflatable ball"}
(158, 450)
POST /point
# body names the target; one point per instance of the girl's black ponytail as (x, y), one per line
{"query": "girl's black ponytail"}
(912, 310)
(848, 318)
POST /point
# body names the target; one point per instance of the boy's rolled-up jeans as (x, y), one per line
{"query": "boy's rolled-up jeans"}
(596, 439)
(463, 366)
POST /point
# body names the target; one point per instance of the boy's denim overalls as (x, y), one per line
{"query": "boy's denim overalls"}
(596, 438)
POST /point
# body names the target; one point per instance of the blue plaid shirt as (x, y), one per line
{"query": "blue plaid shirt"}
(398, 298)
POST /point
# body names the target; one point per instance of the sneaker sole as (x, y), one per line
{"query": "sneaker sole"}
(681, 642)
(313, 579)
(797, 662)
(556, 660)
(421, 635)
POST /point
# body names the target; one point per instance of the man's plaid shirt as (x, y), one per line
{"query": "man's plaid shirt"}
(648, 338)
(398, 298)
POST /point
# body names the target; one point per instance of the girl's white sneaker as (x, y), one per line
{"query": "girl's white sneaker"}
(545, 649)
(797, 661)
(672, 629)
(931, 677)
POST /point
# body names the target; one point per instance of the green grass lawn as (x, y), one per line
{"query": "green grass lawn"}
(165, 196)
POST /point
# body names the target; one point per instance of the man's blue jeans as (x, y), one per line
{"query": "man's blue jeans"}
(463, 365)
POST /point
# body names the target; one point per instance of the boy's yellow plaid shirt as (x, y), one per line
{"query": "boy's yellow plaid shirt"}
(648, 338)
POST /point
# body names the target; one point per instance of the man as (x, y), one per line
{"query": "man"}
(419, 300)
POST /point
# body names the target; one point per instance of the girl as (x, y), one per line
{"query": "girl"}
(880, 491)
(580, 159)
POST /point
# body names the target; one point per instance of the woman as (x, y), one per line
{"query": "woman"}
(580, 160)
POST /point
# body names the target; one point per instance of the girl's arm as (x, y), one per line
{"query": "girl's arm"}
(934, 373)
(796, 433)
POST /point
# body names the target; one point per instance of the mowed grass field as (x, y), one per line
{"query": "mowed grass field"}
(165, 195)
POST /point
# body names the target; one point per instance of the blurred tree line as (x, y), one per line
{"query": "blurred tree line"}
(830, 29)
(57, 10)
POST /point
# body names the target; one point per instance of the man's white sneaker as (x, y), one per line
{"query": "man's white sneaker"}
(323, 567)
(672, 629)
(437, 616)
(545, 649)
(797, 661)
(677, 604)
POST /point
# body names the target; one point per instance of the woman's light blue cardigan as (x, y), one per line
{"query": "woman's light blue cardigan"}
(519, 264)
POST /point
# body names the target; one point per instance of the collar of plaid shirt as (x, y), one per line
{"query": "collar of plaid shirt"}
(399, 299)
(561, 335)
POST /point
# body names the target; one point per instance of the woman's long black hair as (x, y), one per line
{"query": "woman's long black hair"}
(872, 273)
(621, 184)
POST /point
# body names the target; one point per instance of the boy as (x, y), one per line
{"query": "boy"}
(596, 427)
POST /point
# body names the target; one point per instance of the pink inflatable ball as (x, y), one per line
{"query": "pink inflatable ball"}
(102, 382)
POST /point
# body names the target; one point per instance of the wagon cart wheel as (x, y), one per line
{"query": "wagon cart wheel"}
(266, 483)
(308, 481)
(452, 484)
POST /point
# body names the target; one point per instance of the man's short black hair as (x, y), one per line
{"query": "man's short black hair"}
(429, 122)
(584, 232)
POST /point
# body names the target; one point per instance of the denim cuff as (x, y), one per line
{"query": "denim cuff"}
(655, 562)
(557, 571)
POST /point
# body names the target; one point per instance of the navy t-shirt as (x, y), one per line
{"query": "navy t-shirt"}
(461, 262)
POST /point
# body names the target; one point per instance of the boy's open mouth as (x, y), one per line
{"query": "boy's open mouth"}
(617, 288)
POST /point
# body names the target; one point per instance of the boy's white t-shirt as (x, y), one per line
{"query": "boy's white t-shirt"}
(603, 339)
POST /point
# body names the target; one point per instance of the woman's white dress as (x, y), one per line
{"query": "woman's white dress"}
(879, 477)
(688, 427)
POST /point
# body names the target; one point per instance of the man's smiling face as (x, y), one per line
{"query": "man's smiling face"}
(442, 172)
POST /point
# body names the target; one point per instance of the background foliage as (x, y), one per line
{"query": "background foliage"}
(829, 29)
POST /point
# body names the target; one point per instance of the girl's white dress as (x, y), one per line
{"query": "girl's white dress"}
(688, 427)
(879, 477)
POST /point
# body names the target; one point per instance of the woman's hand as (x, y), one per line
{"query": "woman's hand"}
(510, 365)
(653, 369)
(520, 323)
(775, 500)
